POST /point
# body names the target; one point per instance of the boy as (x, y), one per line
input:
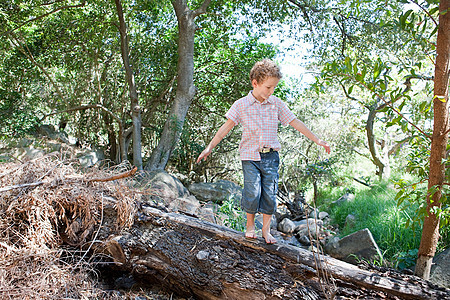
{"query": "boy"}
(259, 113)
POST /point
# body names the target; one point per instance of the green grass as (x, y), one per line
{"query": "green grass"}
(377, 210)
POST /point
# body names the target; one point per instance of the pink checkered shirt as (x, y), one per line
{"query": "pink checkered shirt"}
(260, 124)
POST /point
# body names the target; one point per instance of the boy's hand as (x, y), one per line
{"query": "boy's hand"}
(325, 145)
(203, 155)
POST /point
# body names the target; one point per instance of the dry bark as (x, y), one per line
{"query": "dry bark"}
(207, 261)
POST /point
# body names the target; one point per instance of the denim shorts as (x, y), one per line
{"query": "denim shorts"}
(261, 184)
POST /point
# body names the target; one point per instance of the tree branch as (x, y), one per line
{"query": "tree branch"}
(388, 103)
(202, 9)
(18, 186)
(425, 11)
(115, 177)
(83, 3)
(84, 107)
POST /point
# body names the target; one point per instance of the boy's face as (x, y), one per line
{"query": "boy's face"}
(263, 90)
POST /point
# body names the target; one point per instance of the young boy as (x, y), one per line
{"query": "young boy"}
(259, 113)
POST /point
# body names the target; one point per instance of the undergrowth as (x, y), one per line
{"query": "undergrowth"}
(376, 209)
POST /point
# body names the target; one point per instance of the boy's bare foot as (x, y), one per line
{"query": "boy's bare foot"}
(269, 238)
(250, 233)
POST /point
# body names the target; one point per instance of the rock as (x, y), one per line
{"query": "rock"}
(23, 142)
(347, 197)
(207, 212)
(91, 157)
(293, 241)
(163, 186)
(309, 226)
(323, 215)
(286, 226)
(50, 132)
(32, 153)
(188, 204)
(350, 221)
(304, 240)
(218, 192)
(46, 130)
(202, 255)
(440, 270)
(259, 221)
(360, 244)
(314, 214)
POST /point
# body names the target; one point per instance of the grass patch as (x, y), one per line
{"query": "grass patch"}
(377, 210)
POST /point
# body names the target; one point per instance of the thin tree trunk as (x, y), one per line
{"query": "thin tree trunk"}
(185, 85)
(430, 232)
(376, 159)
(135, 108)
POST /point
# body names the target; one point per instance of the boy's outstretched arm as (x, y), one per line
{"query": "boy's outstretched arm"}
(301, 127)
(221, 133)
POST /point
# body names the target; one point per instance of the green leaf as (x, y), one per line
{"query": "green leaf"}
(348, 64)
(350, 89)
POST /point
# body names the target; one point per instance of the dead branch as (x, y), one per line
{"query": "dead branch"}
(18, 186)
(115, 177)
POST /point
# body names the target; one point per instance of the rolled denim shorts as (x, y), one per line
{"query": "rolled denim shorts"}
(261, 184)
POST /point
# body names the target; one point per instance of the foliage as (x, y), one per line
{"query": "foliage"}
(235, 215)
(319, 169)
(414, 192)
(16, 118)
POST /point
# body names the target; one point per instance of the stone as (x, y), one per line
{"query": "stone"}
(309, 226)
(304, 240)
(188, 204)
(91, 157)
(347, 197)
(32, 153)
(440, 270)
(323, 215)
(163, 186)
(314, 214)
(293, 241)
(354, 247)
(207, 212)
(286, 226)
(218, 192)
(202, 255)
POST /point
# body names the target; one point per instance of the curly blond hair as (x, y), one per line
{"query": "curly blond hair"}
(263, 69)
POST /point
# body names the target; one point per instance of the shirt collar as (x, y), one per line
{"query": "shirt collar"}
(252, 99)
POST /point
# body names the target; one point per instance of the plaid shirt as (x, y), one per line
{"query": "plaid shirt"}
(260, 124)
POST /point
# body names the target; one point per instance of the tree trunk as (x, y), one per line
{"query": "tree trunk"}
(198, 259)
(185, 85)
(135, 108)
(430, 231)
(371, 140)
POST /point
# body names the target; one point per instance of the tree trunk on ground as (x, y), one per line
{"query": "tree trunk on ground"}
(430, 232)
(185, 85)
(135, 108)
(194, 258)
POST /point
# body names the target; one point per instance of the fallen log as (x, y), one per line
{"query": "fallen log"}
(195, 258)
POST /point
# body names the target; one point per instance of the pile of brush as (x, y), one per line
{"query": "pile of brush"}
(50, 215)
